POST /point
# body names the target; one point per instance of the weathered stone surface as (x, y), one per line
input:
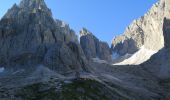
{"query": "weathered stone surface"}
(158, 65)
(48, 47)
(104, 51)
(125, 47)
(166, 31)
(93, 47)
(146, 31)
(167, 8)
(65, 58)
(87, 41)
(64, 28)
(29, 35)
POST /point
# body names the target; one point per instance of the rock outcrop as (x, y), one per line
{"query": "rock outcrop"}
(166, 30)
(143, 35)
(93, 47)
(158, 65)
(145, 31)
(29, 35)
(45, 52)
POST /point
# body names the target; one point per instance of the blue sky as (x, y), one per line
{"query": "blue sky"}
(104, 18)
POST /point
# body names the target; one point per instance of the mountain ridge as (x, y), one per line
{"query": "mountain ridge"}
(41, 58)
(143, 32)
(31, 36)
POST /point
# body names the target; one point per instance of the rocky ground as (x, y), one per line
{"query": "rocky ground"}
(105, 82)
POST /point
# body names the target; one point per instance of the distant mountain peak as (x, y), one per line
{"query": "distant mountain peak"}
(27, 27)
(84, 32)
(32, 3)
(28, 7)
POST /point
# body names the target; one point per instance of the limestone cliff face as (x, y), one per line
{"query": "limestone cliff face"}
(145, 31)
(167, 8)
(158, 65)
(93, 47)
(30, 35)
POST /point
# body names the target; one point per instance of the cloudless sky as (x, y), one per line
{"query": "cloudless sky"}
(104, 18)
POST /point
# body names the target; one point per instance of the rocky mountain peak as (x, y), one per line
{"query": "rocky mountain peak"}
(93, 47)
(145, 31)
(28, 30)
(84, 32)
(27, 7)
(32, 4)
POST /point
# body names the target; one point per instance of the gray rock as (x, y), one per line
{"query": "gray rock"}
(104, 52)
(93, 47)
(29, 35)
(158, 65)
(87, 41)
(65, 58)
(125, 47)
(64, 28)
(27, 43)
(147, 31)
(166, 31)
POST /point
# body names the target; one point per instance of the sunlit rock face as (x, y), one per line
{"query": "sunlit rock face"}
(29, 35)
(158, 65)
(167, 9)
(147, 31)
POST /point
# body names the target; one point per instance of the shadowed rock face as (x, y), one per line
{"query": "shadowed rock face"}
(29, 35)
(166, 30)
(93, 47)
(125, 47)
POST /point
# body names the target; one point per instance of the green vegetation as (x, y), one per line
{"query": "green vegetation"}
(35, 92)
(76, 90)
(82, 89)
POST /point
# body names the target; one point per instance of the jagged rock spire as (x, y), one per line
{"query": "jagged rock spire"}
(27, 7)
(93, 47)
(84, 31)
(29, 29)
(32, 3)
